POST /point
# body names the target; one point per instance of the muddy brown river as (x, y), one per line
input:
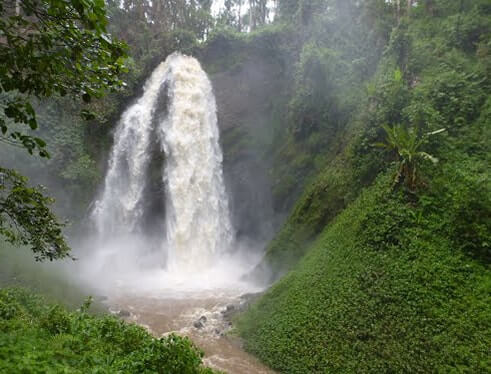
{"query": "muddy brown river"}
(200, 316)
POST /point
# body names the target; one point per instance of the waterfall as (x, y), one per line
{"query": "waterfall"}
(198, 224)
(197, 221)
(119, 208)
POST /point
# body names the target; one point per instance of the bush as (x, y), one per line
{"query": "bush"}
(43, 337)
(56, 320)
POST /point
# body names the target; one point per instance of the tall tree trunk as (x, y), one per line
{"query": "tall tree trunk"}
(409, 6)
(429, 7)
(459, 19)
(240, 16)
(264, 11)
(252, 18)
(157, 12)
(140, 9)
(398, 11)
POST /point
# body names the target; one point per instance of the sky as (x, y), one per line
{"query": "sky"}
(217, 4)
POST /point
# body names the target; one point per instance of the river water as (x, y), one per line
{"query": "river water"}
(201, 316)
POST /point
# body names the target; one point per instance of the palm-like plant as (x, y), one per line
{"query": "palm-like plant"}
(406, 143)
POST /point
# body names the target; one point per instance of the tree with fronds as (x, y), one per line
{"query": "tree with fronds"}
(407, 144)
(48, 48)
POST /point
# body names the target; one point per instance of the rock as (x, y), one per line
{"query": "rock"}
(249, 298)
(246, 173)
(200, 323)
(124, 313)
(229, 311)
(218, 332)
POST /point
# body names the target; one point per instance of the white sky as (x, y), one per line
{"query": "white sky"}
(217, 4)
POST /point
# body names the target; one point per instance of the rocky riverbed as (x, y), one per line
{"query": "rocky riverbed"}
(204, 317)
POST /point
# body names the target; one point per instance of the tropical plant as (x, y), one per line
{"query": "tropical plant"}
(406, 143)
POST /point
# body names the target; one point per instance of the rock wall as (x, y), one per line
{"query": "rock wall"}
(244, 96)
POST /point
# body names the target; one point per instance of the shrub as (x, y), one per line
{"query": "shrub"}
(43, 337)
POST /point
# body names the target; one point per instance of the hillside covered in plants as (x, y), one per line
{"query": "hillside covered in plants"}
(383, 262)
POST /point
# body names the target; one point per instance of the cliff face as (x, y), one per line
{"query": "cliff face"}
(244, 96)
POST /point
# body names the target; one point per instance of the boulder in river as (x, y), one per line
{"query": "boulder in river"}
(124, 313)
(229, 311)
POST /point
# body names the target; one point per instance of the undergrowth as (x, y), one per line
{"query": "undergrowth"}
(37, 336)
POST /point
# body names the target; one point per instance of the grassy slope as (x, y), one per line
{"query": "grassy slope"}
(397, 282)
(379, 291)
(39, 337)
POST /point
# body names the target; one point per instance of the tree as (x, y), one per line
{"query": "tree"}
(47, 48)
(258, 12)
(232, 15)
(52, 47)
(25, 218)
(407, 145)
(430, 7)
(409, 6)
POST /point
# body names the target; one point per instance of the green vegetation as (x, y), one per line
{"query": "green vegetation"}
(415, 86)
(385, 288)
(48, 48)
(382, 264)
(45, 51)
(381, 276)
(25, 218)
(406, 143)
(39, 337)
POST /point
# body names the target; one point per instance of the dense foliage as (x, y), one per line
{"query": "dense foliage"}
(52, 47)
(385, 288)
(39, 337)
(26, 218)
(47, 48)
(404, 93)
(397, 273)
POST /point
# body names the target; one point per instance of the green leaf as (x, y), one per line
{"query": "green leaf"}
(87, 115)
(33, 124)
(40, 142)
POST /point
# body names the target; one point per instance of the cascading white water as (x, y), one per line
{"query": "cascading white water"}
(119, 208)
(198, 228)
(198, 223)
